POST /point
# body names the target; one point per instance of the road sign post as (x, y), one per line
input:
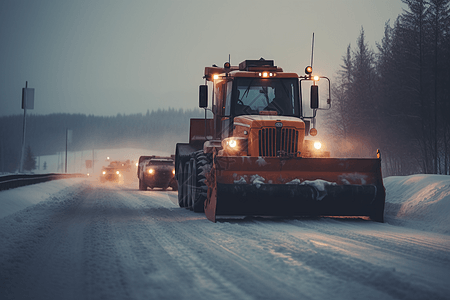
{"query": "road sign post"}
(27, 103)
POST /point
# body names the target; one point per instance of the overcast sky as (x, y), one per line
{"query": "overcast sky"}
(105, 57)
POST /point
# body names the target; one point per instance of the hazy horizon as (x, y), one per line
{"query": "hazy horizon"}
(109, 57)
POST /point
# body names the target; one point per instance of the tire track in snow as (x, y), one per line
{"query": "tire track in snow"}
(205, 260)
(336, 253)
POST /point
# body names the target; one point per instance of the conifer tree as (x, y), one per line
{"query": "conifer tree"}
(30, 161)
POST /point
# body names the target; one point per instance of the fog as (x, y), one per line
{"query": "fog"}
(108, 56)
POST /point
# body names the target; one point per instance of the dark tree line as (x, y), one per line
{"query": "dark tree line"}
(397, 98)
(46, 134)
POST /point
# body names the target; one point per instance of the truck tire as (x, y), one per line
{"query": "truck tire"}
(180, 176)
(187, 185)
(192, 183)
(142, 186)
(174, 185)
(198, 178)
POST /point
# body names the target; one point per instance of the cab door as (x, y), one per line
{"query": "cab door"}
(227, 121)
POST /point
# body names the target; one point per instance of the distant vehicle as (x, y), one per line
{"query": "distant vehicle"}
(123, 169)
(121, 165)
(156, 172)
(110, 174)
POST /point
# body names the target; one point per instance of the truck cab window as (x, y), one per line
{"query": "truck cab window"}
(254, 95)
(228, 98)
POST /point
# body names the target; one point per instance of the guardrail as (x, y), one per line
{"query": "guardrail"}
(18, 180)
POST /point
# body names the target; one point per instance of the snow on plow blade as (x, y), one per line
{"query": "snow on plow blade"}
(296, 187)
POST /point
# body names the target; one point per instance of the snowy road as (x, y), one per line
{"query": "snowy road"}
(115, 242)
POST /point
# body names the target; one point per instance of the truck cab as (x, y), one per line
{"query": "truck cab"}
(259, 105)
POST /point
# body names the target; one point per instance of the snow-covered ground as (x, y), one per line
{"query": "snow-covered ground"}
(419, 201)
(79, 239)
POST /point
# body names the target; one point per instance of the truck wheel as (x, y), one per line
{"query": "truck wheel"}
(200, 188)
(181, 195)
(188, 186)
(192, 183)
(142, 185)
(174, 185)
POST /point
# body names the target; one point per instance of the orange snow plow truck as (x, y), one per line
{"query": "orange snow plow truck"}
(258, 155)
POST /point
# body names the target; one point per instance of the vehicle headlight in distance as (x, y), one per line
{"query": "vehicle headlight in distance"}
(151, 171)
(104, 172)
(117, 172)
(317, 145)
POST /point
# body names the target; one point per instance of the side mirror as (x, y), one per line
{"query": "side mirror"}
(314, 96)
(203, 96)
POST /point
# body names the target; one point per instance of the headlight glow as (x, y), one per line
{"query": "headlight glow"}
(151, 171)
(317, 145)
(232, 143)
(117, 172)
(173, 172)
(235, 144)
(104, 172)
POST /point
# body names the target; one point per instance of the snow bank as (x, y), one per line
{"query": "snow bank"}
(17, 199)
(419, 201)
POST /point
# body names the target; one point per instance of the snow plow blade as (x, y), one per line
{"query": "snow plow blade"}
(252, 186)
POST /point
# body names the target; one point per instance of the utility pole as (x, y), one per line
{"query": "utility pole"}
(27, 102)
(68, 141)
(93, 160)
(65, 169)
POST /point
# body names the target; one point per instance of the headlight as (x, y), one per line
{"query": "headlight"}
(234, 144)
(313, 146)
(117, 172)
(104, 172)
(151, 171)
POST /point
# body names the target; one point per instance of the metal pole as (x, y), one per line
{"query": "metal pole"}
(24, 128)
(312, 51)
(66, 153)
(93, 170)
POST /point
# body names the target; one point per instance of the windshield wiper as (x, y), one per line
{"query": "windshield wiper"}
(248, 89)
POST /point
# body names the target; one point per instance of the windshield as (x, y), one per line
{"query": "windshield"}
(255, 95)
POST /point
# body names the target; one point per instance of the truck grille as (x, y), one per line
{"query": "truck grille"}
(277, 141)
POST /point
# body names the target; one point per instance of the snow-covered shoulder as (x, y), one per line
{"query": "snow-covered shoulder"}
(419, 201)
(13, 200)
